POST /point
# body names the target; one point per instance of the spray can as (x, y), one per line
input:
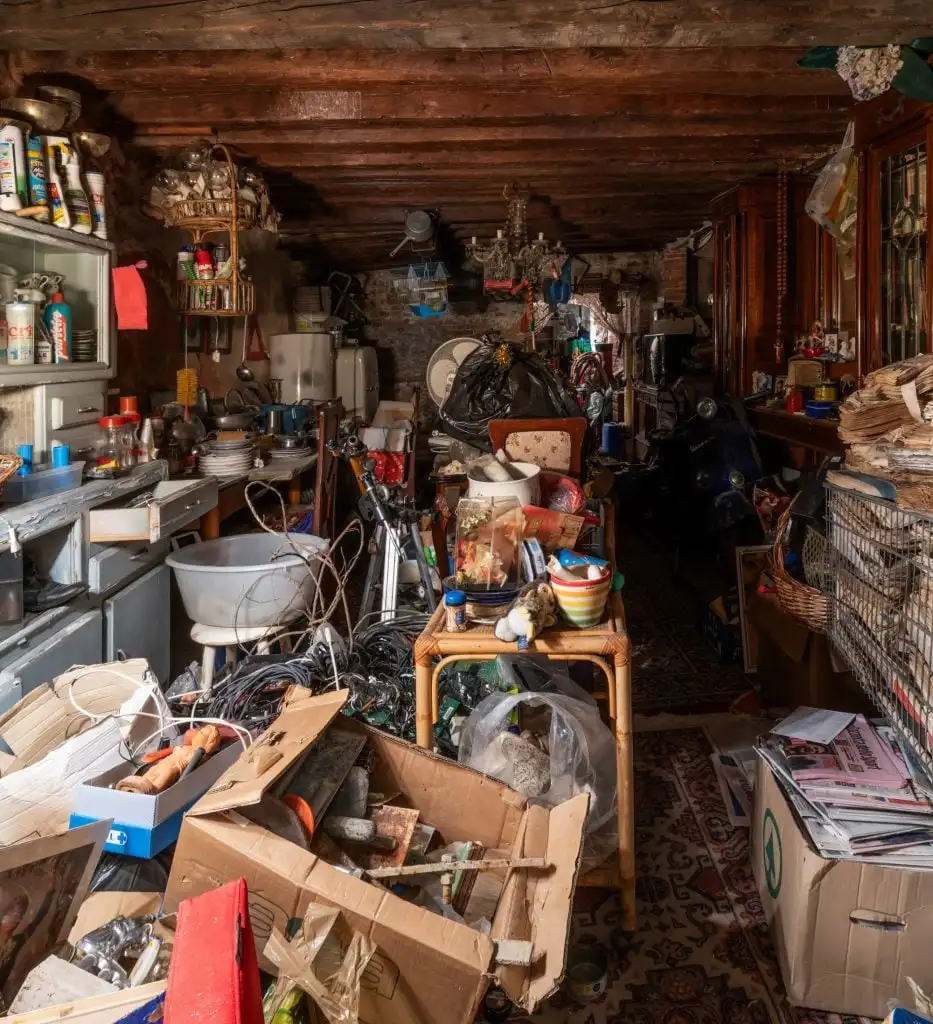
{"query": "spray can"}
(57, 317)
(61, 215)
(35, 160)
(12, 165)
(21, 329)
(95, 193)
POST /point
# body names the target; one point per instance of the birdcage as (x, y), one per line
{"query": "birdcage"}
(423, 287)
(880, 580)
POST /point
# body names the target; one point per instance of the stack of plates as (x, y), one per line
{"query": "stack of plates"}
(290, 453)
(228, 458)
(84, 346)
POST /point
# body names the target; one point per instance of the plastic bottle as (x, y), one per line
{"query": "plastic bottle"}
(57, 318)
(75, 195)
(21, 326)
(94, 180)
(35, 160)
(12, 167)
(61, 215)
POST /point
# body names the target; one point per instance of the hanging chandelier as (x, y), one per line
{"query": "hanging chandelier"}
(509, 260)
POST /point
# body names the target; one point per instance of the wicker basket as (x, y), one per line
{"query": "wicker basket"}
(195, 214)
(802, 602)
(9, 464)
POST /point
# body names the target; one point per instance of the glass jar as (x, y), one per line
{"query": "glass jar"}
(111, 446)
(131, 439)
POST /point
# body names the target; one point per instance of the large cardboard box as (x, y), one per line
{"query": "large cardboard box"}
(428, 970)
(847, 933)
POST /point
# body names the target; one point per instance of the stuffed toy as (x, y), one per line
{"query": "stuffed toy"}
(532, 611)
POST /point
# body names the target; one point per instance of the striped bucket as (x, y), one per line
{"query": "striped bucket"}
(582, 601)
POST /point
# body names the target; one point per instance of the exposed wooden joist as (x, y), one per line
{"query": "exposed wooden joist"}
(405, 135)
(393, 24)
(720, 70)
(224, 109)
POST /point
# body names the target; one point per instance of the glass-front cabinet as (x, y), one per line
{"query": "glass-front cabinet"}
(35, 261)
(894, 138)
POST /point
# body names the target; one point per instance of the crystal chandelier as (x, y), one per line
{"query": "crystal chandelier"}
(510, 259)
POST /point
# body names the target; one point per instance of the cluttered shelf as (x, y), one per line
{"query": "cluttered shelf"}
(797, 429)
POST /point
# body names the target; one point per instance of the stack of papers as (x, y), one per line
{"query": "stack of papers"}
(859, 794)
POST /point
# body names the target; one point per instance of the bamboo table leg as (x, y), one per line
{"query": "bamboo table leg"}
(424, 724)
(626, 782)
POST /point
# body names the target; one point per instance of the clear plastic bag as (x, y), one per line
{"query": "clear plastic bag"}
(580, 754)
(832, 199)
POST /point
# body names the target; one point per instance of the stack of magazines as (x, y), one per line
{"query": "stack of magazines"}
(863, 795)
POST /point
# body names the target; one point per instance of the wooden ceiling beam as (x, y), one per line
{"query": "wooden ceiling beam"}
(721, 70)
(417, 24)
(403, 135)
(224, 109)
(539, 159)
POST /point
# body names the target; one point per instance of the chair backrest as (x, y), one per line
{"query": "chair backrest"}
(325, 479)
(555, 444)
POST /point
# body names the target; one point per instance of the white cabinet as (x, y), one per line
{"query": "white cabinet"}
(84, 263)
(137, 621)
(36, 658)
(170, 506)
(67, 413)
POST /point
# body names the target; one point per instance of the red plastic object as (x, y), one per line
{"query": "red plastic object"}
(561, 493)
(794, 401)
(214, 974)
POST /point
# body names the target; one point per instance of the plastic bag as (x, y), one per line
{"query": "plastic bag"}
(580, 754)
(500, 382)
(832, 199)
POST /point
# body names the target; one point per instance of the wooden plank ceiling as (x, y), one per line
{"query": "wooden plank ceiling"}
(622, 120)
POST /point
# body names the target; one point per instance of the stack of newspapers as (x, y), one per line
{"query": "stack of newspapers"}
(860, 795)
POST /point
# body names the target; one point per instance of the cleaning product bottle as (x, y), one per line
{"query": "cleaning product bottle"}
(94, 180)
(75, 195)
(12, 166)
(57, 318)
(35, 160)
(61, 215)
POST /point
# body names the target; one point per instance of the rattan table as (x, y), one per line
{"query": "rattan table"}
(606, 646)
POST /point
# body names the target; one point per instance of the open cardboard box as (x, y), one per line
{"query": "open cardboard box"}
(427, 970)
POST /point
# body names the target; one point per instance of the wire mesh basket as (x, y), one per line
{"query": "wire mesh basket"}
(879, 577)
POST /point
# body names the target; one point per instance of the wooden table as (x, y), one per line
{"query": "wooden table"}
(231, 495)
(606, 646)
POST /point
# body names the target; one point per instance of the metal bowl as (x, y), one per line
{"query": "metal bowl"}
(66, 97)
(235, 421)
(47, 117)
(92, 142)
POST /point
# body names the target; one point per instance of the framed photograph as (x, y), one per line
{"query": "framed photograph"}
(750, 563)
(43, 883)
(780, 385)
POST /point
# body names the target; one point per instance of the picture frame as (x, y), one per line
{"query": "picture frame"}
(750, 562)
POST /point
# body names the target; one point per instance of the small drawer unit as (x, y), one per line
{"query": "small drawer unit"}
(169, 507)
(110, 564)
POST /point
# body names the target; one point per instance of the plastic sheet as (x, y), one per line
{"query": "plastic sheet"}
(580, 752)
(320, 962)
(502, 382)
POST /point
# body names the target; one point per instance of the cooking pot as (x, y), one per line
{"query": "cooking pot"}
(235, 420)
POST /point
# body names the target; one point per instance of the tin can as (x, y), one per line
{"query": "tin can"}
(35, 162)
(587, 972)
(21, 333)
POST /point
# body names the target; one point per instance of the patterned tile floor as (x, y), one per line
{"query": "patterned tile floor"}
(702, 953)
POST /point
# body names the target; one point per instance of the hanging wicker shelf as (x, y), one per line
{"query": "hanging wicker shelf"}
(230, 295)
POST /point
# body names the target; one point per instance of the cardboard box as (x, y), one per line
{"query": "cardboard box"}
(795, 665)
(427, 970)
(847, 933)
(144, 825)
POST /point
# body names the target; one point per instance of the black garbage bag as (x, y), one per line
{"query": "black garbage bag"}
(502, 382)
